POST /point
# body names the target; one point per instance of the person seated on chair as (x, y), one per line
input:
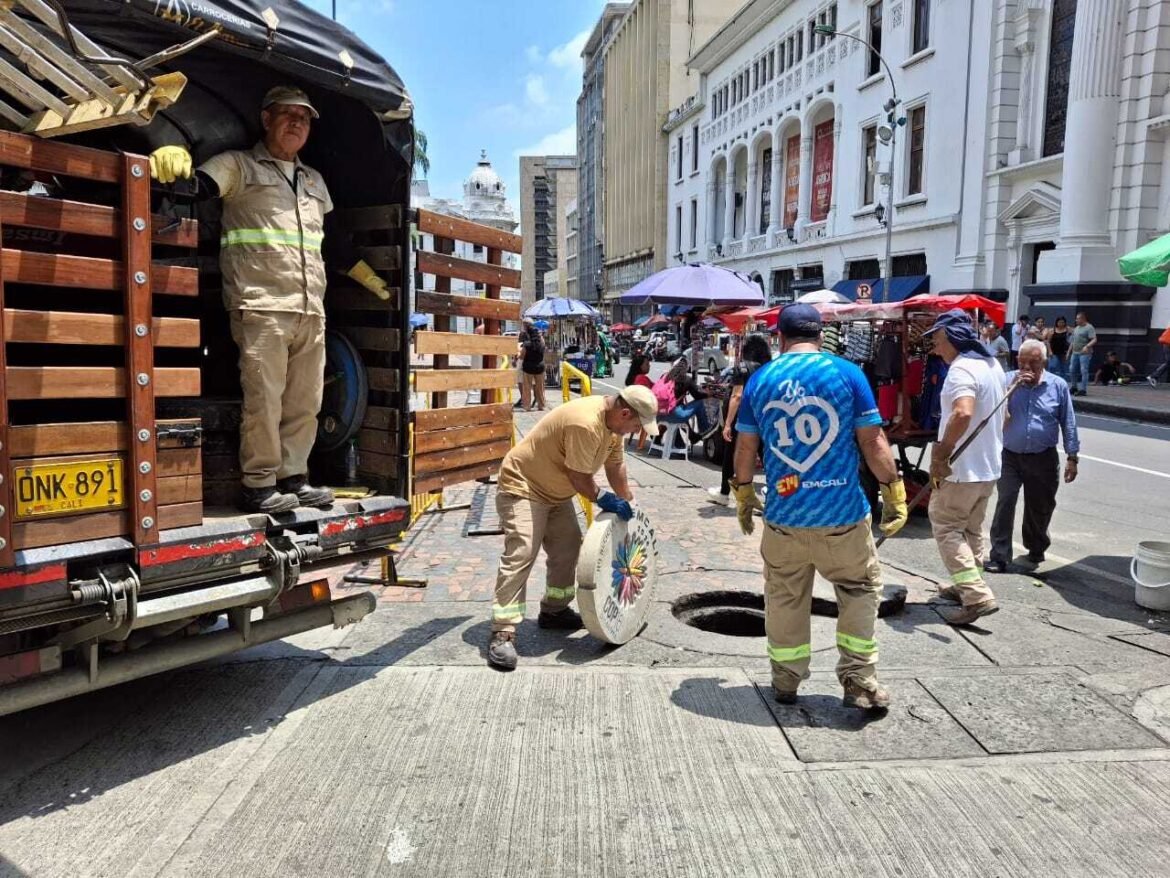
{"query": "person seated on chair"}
(1113, 371)
(639, 372)
(684, 385)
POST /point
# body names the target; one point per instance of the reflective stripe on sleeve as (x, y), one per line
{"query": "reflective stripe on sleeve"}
(271, 237)
(856, 644)
(789, 653)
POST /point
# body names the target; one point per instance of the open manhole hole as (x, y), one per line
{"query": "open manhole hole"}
(741, 613)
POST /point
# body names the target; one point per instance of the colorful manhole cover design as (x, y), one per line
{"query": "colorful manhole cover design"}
(616, 574)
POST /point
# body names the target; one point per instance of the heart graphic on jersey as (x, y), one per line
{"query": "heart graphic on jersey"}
(803, 427)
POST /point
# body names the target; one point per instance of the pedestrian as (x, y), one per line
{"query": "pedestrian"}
(531, 351)
(756, 352)
(999, 346)
(1040, 413)
(1164, 341)
(1020, 330)
(1081, 341)
(1113, 371)
(273, 277)
(639, 372)
(1058, 347)
(538, 481)
(812, 414)
(973, 387)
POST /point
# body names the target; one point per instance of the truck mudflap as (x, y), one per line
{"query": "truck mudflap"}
(241, 633)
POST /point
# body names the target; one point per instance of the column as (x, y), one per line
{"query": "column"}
(1085, 250)
(777, 193)
(711, 224)
(729, 204)
(751, 215)
(804, 196)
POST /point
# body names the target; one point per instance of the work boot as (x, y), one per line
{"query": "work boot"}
(950, 593)
(268, 500)
(305, 493)
(784, 696)
(502, 650)
(858, 696)
(567, 619)
(968, 614)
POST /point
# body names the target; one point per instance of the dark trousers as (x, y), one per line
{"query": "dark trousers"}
(728, 464)
(1039, 475)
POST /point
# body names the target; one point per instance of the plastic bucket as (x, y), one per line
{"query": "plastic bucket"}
(1150, 569)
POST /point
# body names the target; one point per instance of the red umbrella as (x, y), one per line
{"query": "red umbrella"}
(621, 327)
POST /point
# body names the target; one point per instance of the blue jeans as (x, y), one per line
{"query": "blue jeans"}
(1079, 374)
(1057, 366)
(684, 412)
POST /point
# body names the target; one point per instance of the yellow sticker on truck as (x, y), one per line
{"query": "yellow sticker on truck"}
(66, 488)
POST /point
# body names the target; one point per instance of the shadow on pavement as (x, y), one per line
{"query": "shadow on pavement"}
(532, 641)
(1098, 595)
(54, 761)
(819, 711)
(710, 697)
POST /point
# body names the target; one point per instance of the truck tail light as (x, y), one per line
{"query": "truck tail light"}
(307, 595)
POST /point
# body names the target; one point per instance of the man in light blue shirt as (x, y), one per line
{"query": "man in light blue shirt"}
(1039, 413)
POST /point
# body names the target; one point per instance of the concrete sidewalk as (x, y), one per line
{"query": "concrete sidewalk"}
(1134, 402)
(1035, 744)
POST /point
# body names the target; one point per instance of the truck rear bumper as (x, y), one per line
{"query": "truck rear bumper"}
(161, 657)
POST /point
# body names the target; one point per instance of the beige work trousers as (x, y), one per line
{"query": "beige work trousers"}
(528, 526)
(845, 556)
(957, 510)
(282, 373)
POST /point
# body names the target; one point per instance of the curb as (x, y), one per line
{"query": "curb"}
(1129, 413)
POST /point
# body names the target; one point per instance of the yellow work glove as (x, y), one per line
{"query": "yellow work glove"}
(170, 163)
(746, 501)
(894, 510)
(364, 275)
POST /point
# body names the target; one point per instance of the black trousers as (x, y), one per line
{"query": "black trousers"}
(728, 464)
(1039, 475)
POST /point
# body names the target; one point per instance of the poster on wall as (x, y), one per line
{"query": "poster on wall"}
(791, 180)
(822, 188)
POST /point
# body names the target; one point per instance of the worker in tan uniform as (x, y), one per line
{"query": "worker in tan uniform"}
(274, 281)
(538, 480)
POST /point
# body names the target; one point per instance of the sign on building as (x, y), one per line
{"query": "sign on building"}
(791, 180)
(822, 189)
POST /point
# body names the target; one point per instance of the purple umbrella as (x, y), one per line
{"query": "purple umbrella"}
(695, 284)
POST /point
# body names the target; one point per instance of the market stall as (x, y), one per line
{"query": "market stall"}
(571, 335)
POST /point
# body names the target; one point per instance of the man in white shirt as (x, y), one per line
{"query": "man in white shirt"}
(974, 386)
(1020, 330)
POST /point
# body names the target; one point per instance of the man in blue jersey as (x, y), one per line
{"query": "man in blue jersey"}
(813, 416)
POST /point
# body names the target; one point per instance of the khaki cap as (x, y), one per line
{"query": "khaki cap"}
(288, 94)
(645, 403)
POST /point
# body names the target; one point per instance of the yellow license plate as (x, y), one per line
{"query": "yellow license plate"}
(42, 489)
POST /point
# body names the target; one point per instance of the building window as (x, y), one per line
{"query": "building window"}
(800, 45)
(782, 287)
(678, 228)
(921, 26)
(479, 288)
(477, 249)
(694, 223)
(917, 150)
(680, 157)
(874, 31)
(783, 57)
(814, 39)
(694, 149)
(863, 269)
(1064, 13)
(869, 163)
(909, 265)
(765, 191)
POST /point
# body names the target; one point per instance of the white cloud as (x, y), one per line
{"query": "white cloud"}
(563, 142)
(534, 89)
(568, 55)
(533, 54)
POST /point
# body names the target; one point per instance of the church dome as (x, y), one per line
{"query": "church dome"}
(484, 180)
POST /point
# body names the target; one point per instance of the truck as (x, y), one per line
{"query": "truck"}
(121, 554)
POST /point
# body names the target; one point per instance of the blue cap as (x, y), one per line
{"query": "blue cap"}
(799, 320)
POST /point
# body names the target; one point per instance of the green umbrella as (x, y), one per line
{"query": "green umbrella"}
(1148, 265)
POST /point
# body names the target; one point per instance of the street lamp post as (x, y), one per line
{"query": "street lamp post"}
(891, 108)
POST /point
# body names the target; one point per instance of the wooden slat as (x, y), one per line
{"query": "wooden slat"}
(467, 416)
(69, 327)
(441, 265)
(377, 441)
(369, 338)
(463, 343)
(59, 158)
(381, 418)
(180, 489)
(465, 306)
(58, 270)
(81, 218)
(440, 225)
(86, 437)
(460, 437)
(370, 219)
(444, 461)
(92, 382)
(387, 258)
(383, 379)
(351, 297)
(437, 481)
(441, 380)
(98, 525)
(179, 462)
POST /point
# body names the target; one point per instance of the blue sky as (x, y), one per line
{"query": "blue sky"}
(500, 75)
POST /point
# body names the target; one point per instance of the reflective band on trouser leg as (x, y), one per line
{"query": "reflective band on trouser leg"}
(856, 644)
(271, 237)
(509, 613)
(560, 594)
(789, 653)
(966, 577)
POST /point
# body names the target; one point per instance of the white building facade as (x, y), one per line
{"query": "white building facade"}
(790, 177)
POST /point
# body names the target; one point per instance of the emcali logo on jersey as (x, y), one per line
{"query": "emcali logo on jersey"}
(801, 437)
